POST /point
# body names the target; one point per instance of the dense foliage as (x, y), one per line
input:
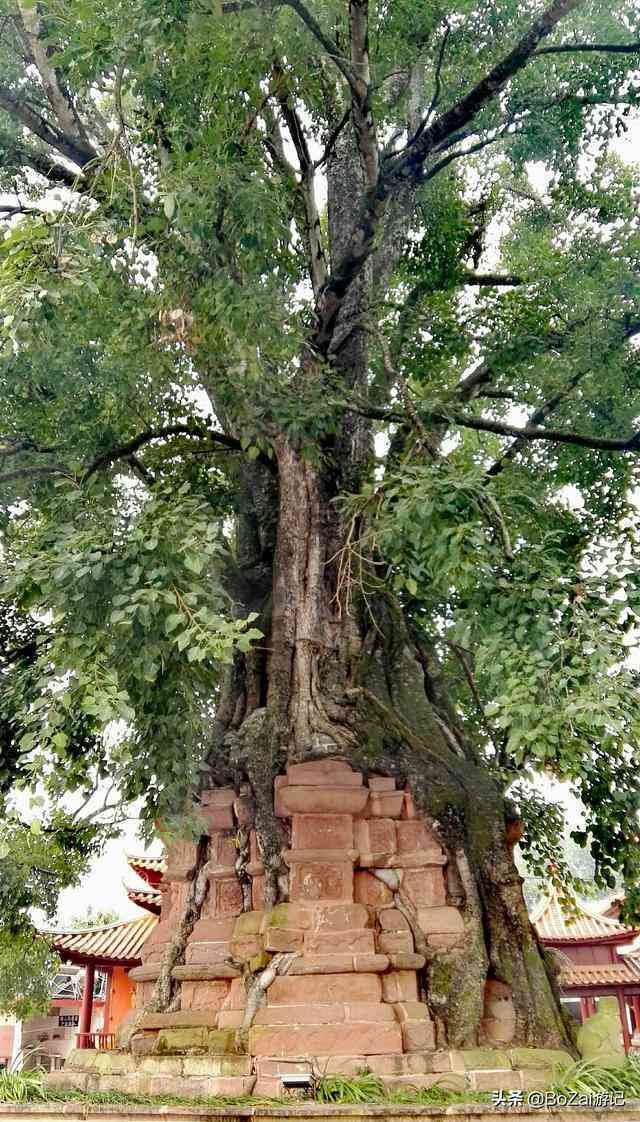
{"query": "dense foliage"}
(167, 267)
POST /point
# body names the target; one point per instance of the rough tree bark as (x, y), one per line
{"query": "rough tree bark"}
(333, 677)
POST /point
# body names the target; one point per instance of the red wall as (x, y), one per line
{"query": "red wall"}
(122, 996)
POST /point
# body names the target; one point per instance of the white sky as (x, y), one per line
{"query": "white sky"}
(102, 888)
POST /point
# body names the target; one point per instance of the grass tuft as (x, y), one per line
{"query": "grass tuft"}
(22, 1086)
(586, 1078)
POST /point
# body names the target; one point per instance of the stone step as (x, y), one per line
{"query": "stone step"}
(71, 1081)
(496, 1079)
(197, 1039)
(201, 972)
(357, 941)
(313, 856)
(365, 963)
(320, 772)
(193, 1085)
(217, 1065)
(314, 1040)
(186, 1018)
(411, 1011)
(319, 1014)
(208, 953)
(333, 798)
(145, 973)
(328, 989)
(417, 1036)
(230, 1018)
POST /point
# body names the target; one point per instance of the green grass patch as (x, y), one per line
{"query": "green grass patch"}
(29, 1086)
(585, 1078)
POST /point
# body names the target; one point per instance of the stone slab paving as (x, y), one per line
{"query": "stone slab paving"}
(312, 1112)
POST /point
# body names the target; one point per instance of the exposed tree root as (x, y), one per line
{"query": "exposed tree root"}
(242, 860)
(258, 984)
(166, 992)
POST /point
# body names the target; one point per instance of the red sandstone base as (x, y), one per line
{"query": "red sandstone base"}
(350, 996)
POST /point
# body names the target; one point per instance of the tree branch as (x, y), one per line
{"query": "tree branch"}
(470, 151)
(124, 451)
(492, 280)
(577, 48)
(460, 114)
(25, 445)
(499, 428)
(61, 104)
(323, 39)
(333, 139)
(407, 166)
(537, 417)
(311, 231)
(21, 156)
(471, 385)
(78, 153)
(437, 90)
(533, 432)
(25, 472)
(361, 91)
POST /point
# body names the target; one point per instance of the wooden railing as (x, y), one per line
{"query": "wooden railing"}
(102, 1041)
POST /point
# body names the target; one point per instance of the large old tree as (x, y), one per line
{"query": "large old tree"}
(319, 392)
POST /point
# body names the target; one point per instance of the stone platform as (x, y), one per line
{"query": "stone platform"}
(211, 1073)
(351, 992)
(312, 1112)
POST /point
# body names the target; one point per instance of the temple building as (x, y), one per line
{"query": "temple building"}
(598, 957)
(92, 992)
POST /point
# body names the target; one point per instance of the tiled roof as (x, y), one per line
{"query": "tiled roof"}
(552, 924)
(632, 948)
(114, 943)
(148, 898)
(149, 868)
(602, 974)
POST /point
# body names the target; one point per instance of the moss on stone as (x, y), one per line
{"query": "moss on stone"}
(114, 1063)
(539, 1057)
(213, 1065)
(81, 1059)
(483, 1059)
(259, 961)
(248, 924)
(221, 1041)
(182, 1039)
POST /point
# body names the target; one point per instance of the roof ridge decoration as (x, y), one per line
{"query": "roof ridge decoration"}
(553, 924)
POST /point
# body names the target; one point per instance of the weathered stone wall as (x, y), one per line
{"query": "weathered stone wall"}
(366, 874)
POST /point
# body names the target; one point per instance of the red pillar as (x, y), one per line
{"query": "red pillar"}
(86, 1011)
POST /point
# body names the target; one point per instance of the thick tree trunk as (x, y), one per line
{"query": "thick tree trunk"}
(335, 678)
(335, 685)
